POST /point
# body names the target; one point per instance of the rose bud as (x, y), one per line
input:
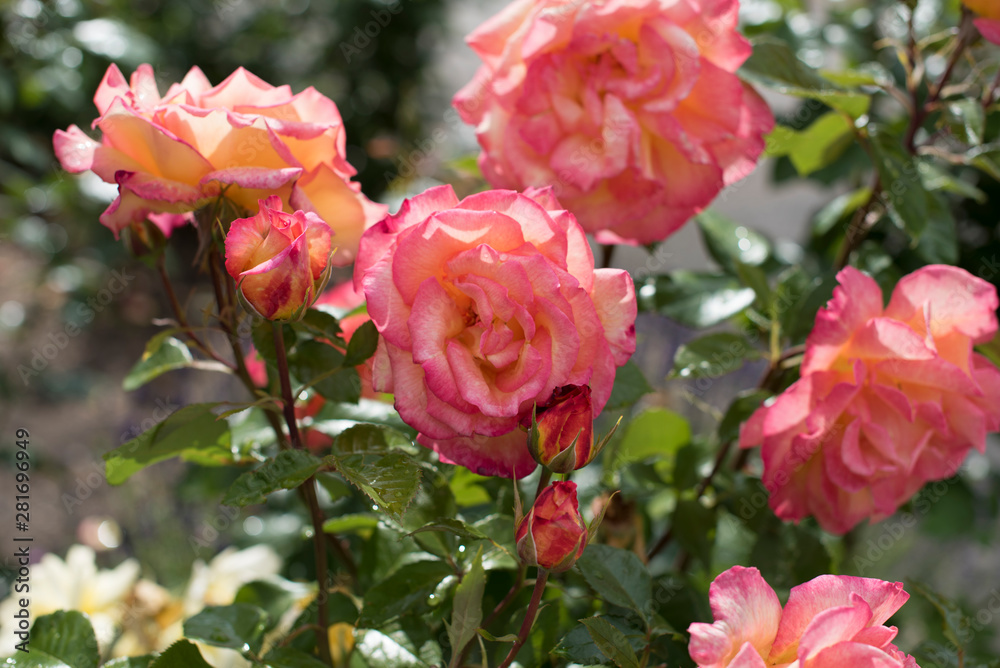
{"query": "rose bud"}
(562, 431)
(553, 535)
(278, 259)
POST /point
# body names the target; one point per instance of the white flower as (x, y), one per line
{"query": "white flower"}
(75, 584)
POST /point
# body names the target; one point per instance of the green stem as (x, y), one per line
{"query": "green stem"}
(529, 616)
(309, 493)
(543, 482)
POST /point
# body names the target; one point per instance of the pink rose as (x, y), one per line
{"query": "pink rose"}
(630, 108)
(485, 306)
(829, 622)
(889, 398)
(173, 154)
(277, 259)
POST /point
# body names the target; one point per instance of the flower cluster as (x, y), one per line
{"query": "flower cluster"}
(631, 110)
(890, 398)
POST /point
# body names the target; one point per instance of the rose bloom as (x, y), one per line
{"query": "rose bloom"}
(485, 306)
(889, 398)
(173, 154)
(553, 535)
(829, 622)
(989, 18)
(631, 107)
(277, 258)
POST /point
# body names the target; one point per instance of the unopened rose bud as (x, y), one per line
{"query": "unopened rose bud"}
(553, 535)
(562, 433)
(278, 259)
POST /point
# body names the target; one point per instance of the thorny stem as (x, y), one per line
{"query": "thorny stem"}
(309, 493)
(966, 33)
(529, 616)
(180, 316)
(543, 482)
(225, 295)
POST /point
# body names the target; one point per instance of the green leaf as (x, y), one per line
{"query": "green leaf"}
(273, 596)
(362, 455)
(696, 299)
(454, 526)
(730, 243)
(936, 178)
(618, 576)
(233, 626)
(66, 636)
(612, 642)
(713, 356)
(35, 658)
(901, 182)
(287, 657)
(774, 65)
(332, 417)
(182, 654)
(320, 324)
(192, 433)
(354, 523)
(739, 412)
(131, 662)
(840, 210)
(376, 649)
(755, 279)
(579, 647)
(287, 470)
(694, 528)
(817, 146)
(938, 244)
(510, 637)
(466, 487)
(321, 366)
(362, 345)
(967, 120)
(653, 433)
(404, 592)
(953, 620)
(467, 608)
(986, 159)
(630, 386)
(162, 354)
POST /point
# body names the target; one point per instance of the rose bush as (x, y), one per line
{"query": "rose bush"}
(171, 155)
(889, 399)
(485, 306)
(630, 109)
(829, 622)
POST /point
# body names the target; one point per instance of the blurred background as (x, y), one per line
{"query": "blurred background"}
(57, 263)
